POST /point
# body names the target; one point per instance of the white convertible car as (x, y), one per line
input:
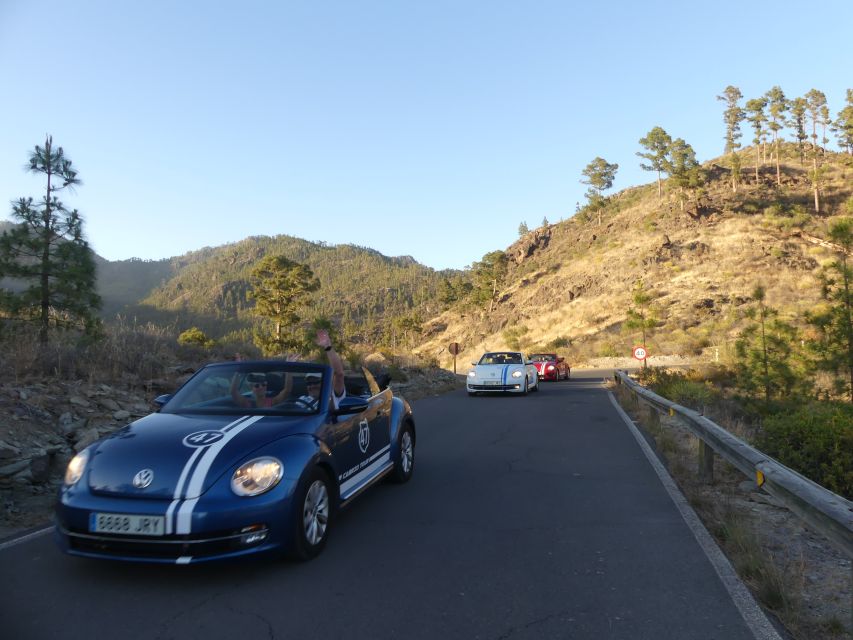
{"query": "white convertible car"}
(503, 371)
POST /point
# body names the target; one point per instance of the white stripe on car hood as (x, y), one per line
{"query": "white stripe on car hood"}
(191, 480)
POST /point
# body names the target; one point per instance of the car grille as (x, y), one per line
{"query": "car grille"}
(493, 387)
(167, 548)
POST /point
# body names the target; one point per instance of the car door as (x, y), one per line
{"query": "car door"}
(362, 444)
(532, 372)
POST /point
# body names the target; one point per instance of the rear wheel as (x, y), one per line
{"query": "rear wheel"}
(313, 515)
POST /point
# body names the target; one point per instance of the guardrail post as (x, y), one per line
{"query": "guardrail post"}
(654, 419)
(706, 462)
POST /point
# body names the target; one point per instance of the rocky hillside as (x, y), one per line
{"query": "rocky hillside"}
(569, 285)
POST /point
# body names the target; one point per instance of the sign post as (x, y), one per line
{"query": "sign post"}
(454, 348)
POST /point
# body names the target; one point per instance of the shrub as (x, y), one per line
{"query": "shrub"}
(814, 439)
(560, 342)
(609, 350)
(679, 387)
(514, 336)
(195, 337)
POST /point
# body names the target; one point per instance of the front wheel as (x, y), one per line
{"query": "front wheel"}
(313, 515)
(405, 466)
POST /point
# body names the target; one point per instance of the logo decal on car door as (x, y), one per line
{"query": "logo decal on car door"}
(363, 436)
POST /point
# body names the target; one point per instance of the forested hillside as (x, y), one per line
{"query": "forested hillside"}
(362, 290)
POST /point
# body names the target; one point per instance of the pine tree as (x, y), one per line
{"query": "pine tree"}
(834, 323)
(657, 143)
(764, 351)
(641, 315)
(757, 118)
(280, 288)
(732, 116)
(599, 176)
(777, 105)
(799, 106)
(47, 251)
(843, 125)
(488, 275)
(816, 103)
(522, 229)
(684, 170)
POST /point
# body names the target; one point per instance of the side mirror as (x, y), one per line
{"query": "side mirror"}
(351, 405)
(162, 400)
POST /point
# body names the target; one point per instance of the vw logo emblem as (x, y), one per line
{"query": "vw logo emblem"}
(143, 478)
(363, 435)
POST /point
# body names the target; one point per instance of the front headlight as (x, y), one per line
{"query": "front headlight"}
(517, 374)
(550, 367)
(256, 476)
(472, 374)
(75, 468)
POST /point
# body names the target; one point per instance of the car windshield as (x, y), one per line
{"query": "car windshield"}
(272, 387)
(543, 357)
(501, 358)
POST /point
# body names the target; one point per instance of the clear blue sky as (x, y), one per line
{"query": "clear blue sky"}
(428, 128)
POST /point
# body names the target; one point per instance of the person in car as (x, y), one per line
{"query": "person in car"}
(259, 391)
(311, 399)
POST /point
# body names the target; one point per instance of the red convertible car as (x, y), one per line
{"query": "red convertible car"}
(551, 367)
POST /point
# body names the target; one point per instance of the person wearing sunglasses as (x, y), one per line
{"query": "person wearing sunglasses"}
(258, 382)
(313, 381)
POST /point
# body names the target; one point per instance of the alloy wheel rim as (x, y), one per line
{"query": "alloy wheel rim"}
(406, 452)
(315, 512)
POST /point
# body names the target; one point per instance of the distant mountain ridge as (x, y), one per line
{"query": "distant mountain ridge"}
(209, 288)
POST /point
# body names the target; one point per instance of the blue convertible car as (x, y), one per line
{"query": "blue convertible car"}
(211, 477)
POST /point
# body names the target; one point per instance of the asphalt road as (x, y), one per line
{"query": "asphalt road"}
(527, 517)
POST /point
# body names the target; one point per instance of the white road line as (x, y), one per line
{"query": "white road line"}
(752, 613)
(24, 538)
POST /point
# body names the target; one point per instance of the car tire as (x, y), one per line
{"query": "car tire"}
(524, 390)
(313, 514)
(536, 386)
(405, 466)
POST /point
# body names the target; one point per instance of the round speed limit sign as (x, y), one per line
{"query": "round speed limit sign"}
(639, 353)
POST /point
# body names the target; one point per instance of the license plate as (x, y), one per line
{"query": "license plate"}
(492, 382)
(127, 524)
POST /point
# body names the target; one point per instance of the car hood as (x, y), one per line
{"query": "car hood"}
(179, 456)
(496, 371)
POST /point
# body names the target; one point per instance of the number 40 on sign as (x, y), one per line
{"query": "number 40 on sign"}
(639, 353)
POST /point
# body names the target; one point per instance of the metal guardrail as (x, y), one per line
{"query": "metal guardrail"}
(825, 511)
